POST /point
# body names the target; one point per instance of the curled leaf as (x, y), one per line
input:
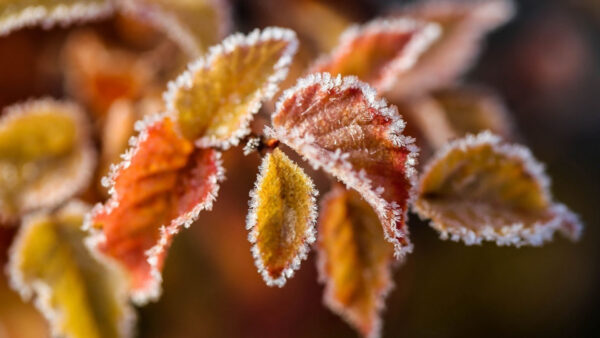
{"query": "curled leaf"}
(281, 219)
(216, 98)
(16, 14)
(99, 76)
(161, 185)
(464, 23)
(341, 125)
(354, 260)
(192, 24)
(81, 294)
(478, 188)
(454, 112)
(46, 155)
(379, 51)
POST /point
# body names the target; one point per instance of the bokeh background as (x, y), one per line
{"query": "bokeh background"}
(545, 64)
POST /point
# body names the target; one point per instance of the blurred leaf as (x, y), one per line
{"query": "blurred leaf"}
(16, 14)
(161, 185)
(454, 112)
(354, 260)
(192, 24)
(45, 155)
(379, 51)
(80, 294)
(281, 219)
(478, 188)
(341, 125)
(214, 101)
(99, 76)
(464, 23)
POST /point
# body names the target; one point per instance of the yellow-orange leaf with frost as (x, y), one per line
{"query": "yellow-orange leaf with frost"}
(354, 260)
(82, 295)
(379, 51)
(161, 185)
(481, 189)
(46, 155)
(16, 14)
(464, 23)
(216, 98)
(281, 219)
(341, 125)
(193, 25)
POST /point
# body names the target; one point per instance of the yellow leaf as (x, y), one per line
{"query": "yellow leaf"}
(216, 98)
(193, 24)
(454, 112)
(379, 51)
(15, 14)
(341, 125)
(478, 188)
(464, 23)
(354, 260)
(80, 294)
(45, 155)
(281, 219)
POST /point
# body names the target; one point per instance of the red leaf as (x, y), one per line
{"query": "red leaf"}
(341, 125)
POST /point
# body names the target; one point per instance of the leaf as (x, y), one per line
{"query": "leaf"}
(161, 185)
(354, 260)
(478, 188)
(81, 295)
(192, 24)
(379, 51)
(216, 98)
(464, 23)
(46, 155)
(454, 112)
(16, 14)
(341, 125)
(281, 219)
(99, 76)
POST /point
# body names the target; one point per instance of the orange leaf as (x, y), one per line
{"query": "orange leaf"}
(281, 219)
(215, 99)
(162, 184)
(464, 23)
(99, 76)
(379, 51)
(478, 188)
(341, 125)
(354, 260)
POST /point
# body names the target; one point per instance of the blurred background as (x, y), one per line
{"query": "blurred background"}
(545, 64)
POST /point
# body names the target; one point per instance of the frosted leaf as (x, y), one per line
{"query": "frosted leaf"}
(215, 99)
(452, 113)
(379, 51)
(80, 294)
(46, 155)
(193, 25)
(161, 185)
(281, 218)
(478, 188)
(341, 125)
(464, 23)
(354, 260)
(16, 14)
